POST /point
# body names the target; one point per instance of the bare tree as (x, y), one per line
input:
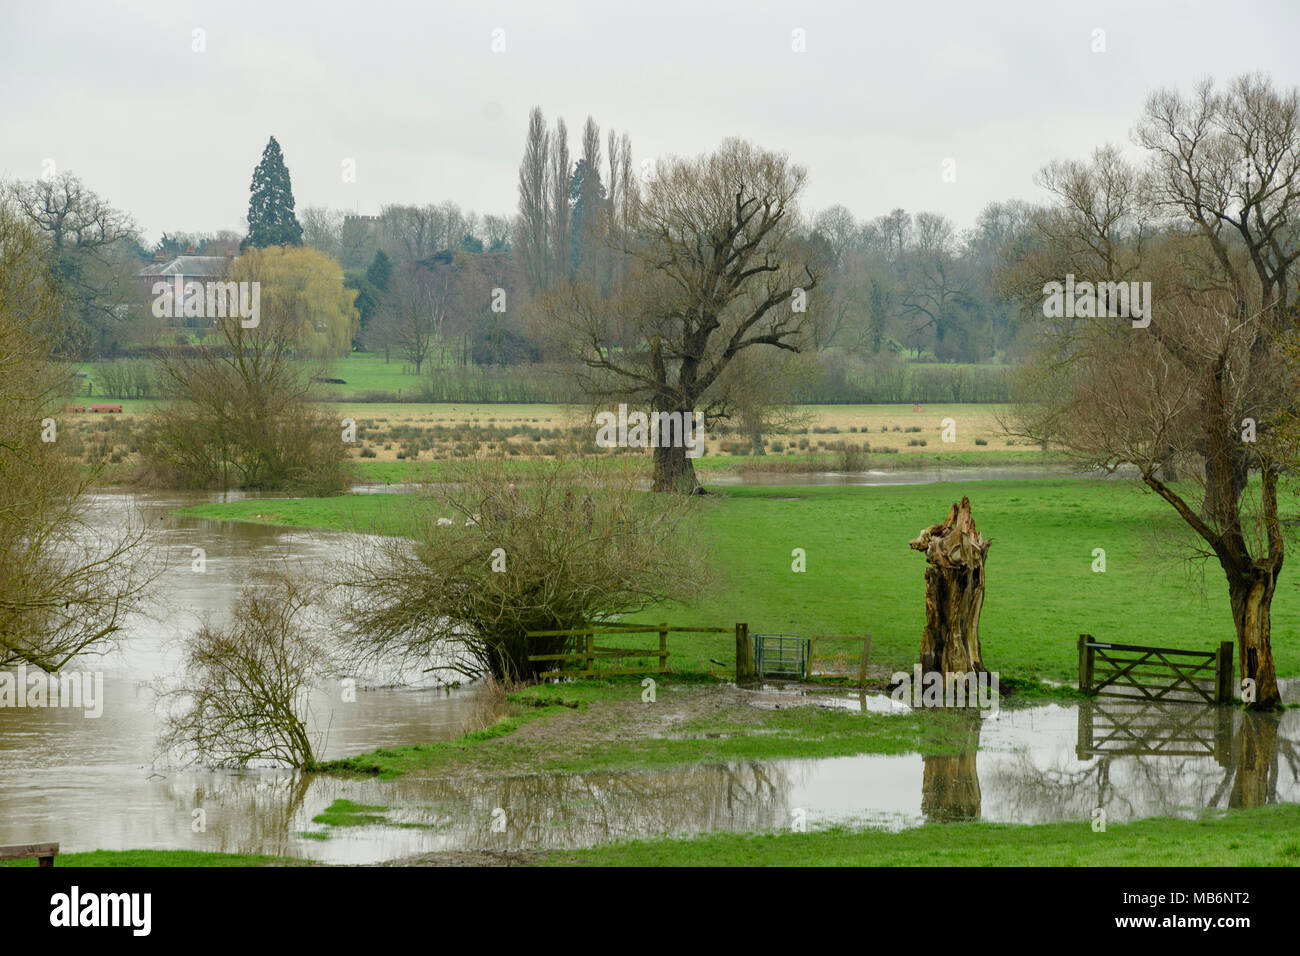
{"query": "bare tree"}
(1230, 163)
(88, 259)
(715, 266)
(936, 287)
(1207, 387)
(322, 229)
(836, 224)
(412, 233)
(430, 301)
(244, 691)
(496, 233)
(409, 317)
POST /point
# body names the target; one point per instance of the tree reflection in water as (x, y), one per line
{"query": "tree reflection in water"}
(1144, 759)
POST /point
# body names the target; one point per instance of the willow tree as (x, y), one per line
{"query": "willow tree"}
(1201, 387)
(1196, 393)
(302, 290)
(714, 265)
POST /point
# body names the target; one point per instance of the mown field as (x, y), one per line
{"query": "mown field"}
(862, 577)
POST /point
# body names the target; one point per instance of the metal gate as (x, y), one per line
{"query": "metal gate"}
(782, 656)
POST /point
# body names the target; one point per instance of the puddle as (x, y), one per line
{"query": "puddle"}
(1035, 765)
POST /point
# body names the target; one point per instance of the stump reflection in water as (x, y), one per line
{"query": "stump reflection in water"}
(950, 788)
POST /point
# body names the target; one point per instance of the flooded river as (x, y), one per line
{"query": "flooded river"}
(91, 783)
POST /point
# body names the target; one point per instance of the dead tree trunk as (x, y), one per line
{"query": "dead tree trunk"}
(954, 593)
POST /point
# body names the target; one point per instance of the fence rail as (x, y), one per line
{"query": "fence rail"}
(1168, 674)
(590, 653)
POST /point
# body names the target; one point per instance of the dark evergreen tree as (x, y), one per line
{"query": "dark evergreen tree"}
(271, 220)
(586, 193)
(380, 270)
(367, 301)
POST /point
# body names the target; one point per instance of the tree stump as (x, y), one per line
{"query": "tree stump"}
(954, 593)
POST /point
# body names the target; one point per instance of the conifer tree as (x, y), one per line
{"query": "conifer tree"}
(271, 220)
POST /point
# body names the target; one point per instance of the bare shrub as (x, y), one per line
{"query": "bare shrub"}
(488, 561)
(244, 690)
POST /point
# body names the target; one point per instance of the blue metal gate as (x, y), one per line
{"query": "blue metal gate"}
(780, 656)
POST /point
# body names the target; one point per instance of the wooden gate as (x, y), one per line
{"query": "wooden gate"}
(1155, 673)
(835, 656)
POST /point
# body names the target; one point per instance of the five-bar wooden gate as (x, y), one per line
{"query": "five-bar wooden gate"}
(1155, 673)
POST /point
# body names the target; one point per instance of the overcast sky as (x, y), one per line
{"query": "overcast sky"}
(414, 93)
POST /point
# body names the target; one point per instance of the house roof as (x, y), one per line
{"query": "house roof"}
(212, 266)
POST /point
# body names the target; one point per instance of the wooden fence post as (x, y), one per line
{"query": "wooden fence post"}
(812, 652)
(1223, 673)
(591, 654)
(744, 654)
(1085, 663)
(663, 648)
(866, 654)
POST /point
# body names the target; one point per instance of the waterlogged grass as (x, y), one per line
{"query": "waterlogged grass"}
(1262, 837)
(131, 858)
(602, 726)
(345, 813)
(861, 576)
(392, 762)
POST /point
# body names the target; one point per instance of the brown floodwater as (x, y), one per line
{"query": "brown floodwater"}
(95, 783)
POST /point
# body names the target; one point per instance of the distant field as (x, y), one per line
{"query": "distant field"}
(399, 431)
(402, 432)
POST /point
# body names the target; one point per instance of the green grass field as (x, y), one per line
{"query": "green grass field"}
(862, 577)
(1263, 837)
